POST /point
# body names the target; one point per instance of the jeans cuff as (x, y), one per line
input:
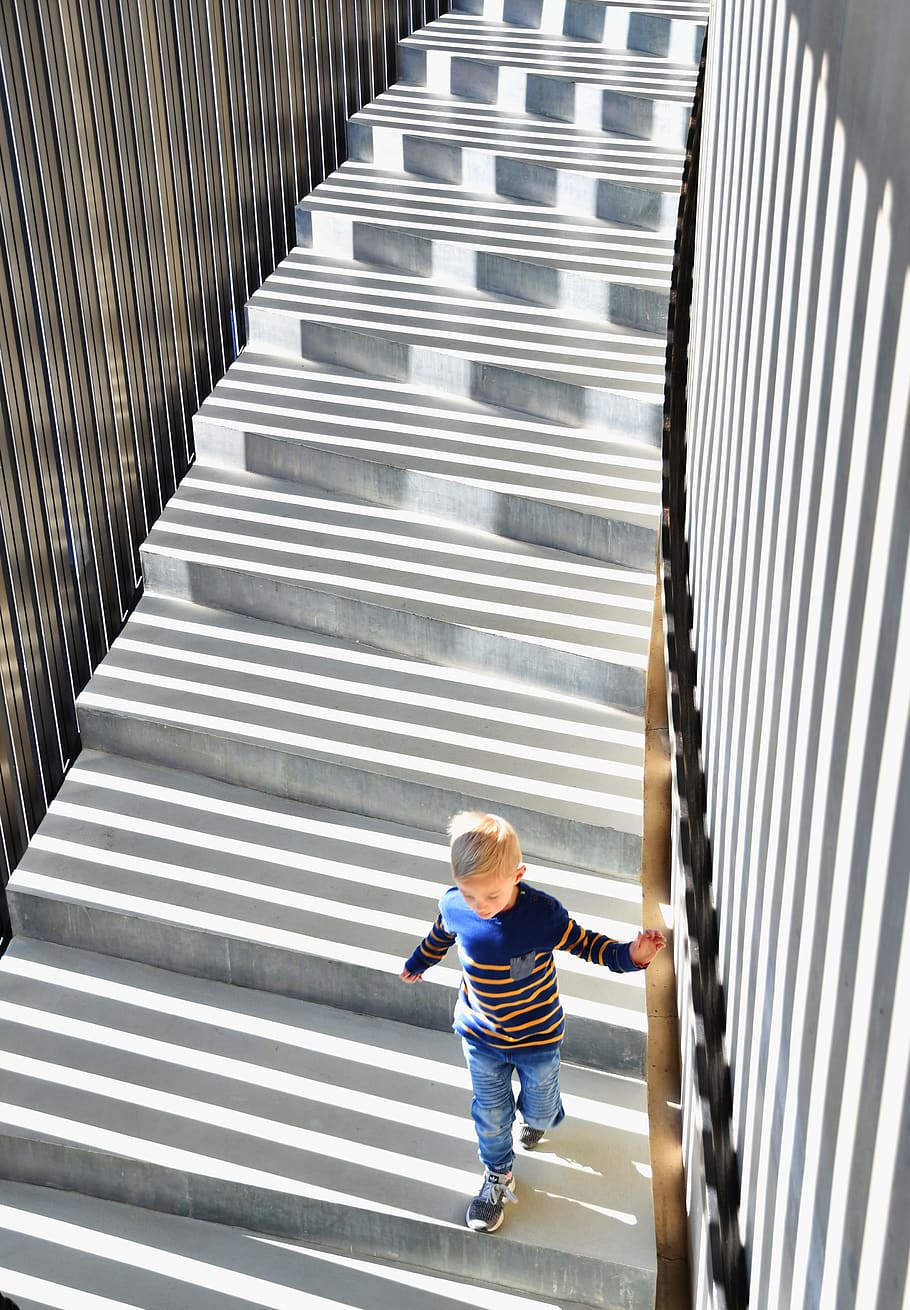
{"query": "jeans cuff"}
(500, 1168)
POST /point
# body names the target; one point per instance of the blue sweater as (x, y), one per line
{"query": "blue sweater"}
(509, 995)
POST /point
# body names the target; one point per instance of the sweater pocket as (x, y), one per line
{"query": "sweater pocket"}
(522, 966)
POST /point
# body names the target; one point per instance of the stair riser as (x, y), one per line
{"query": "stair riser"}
(513, 516)
(660, 121)
(457, 263)
(613, 26)
(342, 786)
(434, 368)
(244, 963)
(314, 607)
(572, 190)
(452, 1250)
(586, 105)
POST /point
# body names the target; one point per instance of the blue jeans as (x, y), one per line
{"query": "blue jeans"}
(493, 1104)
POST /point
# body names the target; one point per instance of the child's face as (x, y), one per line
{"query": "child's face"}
(491, 893)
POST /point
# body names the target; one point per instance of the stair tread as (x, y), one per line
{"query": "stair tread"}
(410, 309)
(250, 1102)
(391, 558)
(617, 20)
(613, 156)
(202, 1078)
(695, 11)
(375, 419)
(490, 208)
(461, 36)
(179, 848)
(61, 1250)
(507, 227)
(324, 698)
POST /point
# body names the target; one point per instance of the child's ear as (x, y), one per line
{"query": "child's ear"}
(520, 872)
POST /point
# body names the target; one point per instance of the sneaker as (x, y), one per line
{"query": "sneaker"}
(485, 1211)
(529, 1137)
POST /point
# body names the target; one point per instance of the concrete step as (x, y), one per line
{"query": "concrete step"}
(598, 174)
(170, 868)
(559, 77)
(582, 267)
(404, 327)
(674, 29)
(309, 558)
(185, 1096)
(336, 723)
(60, 1251)
(460, 460)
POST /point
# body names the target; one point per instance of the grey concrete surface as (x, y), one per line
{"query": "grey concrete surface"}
(675, 31)
(407, 328)
(230, 884)
(518, 476)
(298, 555)
(607, 175)
(59, 1251)
(306, 1123)
(408, 575)
(582, 267)
(573, 81)
(326, 721)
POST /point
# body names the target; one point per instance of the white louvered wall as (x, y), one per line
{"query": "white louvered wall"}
(798, 521)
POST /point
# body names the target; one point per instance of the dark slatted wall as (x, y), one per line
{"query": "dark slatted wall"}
(151, 153)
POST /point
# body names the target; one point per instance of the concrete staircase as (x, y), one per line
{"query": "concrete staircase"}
(411, 571)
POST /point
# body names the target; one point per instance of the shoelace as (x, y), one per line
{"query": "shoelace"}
(495, 1192)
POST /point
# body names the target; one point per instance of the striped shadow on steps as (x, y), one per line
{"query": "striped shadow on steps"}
(672, 28)
(188, 873)
(518, 476)
(63, 1252)
(598, 174)
(324, 720)
(557, 77)
(221, 1103)
(583, 266)
(404, 327)
(410, 572)
(289, 553)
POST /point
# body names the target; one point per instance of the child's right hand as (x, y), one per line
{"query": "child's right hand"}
(411, 977)
(646, 945)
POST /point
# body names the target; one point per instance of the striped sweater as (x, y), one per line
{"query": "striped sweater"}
(509, 994)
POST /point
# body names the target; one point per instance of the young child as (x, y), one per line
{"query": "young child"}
(508, 1012)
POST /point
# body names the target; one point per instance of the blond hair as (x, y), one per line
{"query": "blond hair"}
(482, 843)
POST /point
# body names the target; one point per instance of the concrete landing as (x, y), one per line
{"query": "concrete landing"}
(256, 1111)
(171, 868)
(59, 1251)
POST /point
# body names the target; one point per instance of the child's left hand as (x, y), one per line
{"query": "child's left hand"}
(646, 945)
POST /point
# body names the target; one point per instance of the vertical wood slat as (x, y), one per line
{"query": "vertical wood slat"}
(151, 152)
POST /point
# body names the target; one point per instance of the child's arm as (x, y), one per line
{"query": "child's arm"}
(621, 957)
(429, 952)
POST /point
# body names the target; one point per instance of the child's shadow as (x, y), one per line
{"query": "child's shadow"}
(589, 1185)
